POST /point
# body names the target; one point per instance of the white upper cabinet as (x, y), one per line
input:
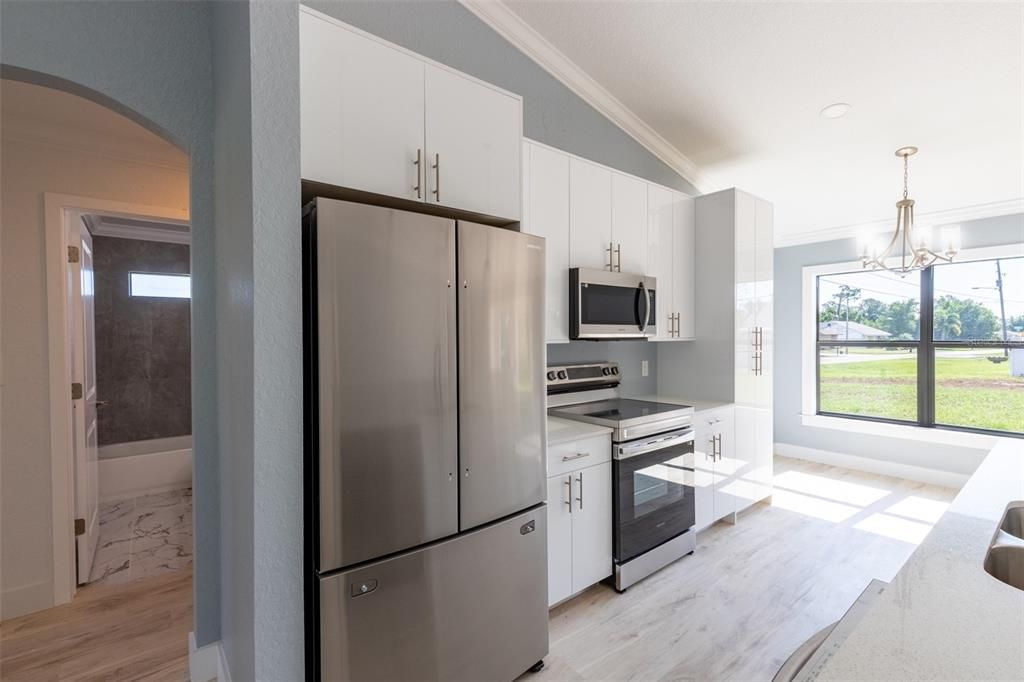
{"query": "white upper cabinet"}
(473, 145)
(378, 118)
(361, 111)
(546, 214)
(629, 224)
(590, 215)
(684, 253)
(660, 257)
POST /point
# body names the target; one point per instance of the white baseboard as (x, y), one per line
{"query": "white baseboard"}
(948, 479)
(153, 472)
(17, 601)
(207, 663)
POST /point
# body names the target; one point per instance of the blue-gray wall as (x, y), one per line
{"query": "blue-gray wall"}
(789, 264)
(447, 32)
(151, 62)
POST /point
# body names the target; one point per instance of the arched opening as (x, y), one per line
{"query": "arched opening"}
(96, 449)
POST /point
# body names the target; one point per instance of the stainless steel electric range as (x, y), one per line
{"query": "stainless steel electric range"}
(652, 466)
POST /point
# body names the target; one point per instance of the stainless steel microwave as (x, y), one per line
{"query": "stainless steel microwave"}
(607, 305)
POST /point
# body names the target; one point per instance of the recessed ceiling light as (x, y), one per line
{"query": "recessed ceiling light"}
(836, 110)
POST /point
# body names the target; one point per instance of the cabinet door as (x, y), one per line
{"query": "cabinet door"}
(660, 251)
(591, 526)
(704, 431)
(629, 223)
(684, 250)
(590, 215)
(474, 138)
(746, 297)
(764, 291)
(559, 538)
(747, 466)
(547, 216)
(361, 111)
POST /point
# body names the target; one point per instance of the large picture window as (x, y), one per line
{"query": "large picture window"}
(940, 347)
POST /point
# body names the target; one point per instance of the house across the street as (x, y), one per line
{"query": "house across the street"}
(840, 330)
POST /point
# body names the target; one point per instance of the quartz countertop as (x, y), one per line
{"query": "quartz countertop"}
(698, 405)
(565, 430)
(943, 617)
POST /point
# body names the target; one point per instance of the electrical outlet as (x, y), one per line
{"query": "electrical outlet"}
(644, 369)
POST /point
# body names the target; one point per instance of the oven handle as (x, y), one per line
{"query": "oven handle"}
(647, 308)
(635, 449)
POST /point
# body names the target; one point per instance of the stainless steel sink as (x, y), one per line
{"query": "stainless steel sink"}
(1005, 558)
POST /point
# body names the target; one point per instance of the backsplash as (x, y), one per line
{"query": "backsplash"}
(629, 355)
(143, 360)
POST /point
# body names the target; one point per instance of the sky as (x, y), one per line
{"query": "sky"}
(957, 279)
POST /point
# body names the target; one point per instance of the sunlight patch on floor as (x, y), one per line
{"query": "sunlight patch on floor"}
(895, 527)
(809, 505)
(830, 488)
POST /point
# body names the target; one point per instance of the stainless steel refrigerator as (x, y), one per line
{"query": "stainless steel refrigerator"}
(426, 538)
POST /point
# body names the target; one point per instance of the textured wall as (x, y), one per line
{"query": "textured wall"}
(447, 32)
(143, 364)
(152, 62)
(789, 264)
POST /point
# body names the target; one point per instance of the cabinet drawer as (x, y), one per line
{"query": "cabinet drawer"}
(577, 454)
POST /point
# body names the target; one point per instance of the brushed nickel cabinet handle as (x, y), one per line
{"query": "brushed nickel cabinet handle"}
(578, 455)
(419, 174)
(618, 255)
(568, 483)
(437, 177)
(580, 498)
(611, 245)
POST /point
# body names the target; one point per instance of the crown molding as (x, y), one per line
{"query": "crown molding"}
(946, 217)
(100, 228)
(527, 40)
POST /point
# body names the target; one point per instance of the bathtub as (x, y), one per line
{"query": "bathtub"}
(145, 466)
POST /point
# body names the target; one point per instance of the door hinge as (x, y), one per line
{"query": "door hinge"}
(76, 391)
(79, 527)
(73, 254)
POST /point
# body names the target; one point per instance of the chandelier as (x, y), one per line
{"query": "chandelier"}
(912, 246)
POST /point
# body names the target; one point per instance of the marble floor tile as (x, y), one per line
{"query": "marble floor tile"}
(144, 536)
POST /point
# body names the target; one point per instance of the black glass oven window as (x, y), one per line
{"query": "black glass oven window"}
(653, 499)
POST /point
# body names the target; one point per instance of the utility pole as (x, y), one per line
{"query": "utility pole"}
(1002, 306)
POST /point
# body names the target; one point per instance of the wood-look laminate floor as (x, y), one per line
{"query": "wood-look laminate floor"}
(753, 592)
(131, 631)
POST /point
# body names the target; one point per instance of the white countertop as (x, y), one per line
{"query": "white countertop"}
(698, 405)
(565, 430)
(943, 617)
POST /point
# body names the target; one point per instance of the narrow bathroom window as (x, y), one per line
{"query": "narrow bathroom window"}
(160, 286)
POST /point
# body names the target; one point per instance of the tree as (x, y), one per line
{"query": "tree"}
(901, 319)
(947, 323)
(974, 322)
(870, 312)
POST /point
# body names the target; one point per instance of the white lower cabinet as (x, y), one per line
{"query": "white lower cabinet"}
(579, 529)
(722, 473)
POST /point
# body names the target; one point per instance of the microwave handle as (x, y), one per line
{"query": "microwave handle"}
(647, 307)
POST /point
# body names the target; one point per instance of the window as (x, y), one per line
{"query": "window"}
(940, 347)
(159, 285)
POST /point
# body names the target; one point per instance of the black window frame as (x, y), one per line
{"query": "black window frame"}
(924, 345)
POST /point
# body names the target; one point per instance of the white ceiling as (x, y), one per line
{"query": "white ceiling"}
(737, 87)
(49, 116)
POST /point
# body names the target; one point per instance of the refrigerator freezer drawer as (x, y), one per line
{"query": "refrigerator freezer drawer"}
(470, 608)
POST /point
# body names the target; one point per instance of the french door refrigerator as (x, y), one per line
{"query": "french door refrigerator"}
(425, 434)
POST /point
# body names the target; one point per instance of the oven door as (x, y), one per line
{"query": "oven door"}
(611, 305)
(653, 490)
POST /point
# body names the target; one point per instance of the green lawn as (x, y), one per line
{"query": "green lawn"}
(971, 391)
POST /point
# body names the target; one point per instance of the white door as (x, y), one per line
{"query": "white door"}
(590, 216)
(659, 257)
(746, 458)
(764, 292)
(684, 266)
(629, 223)
(704, 431)
(361, 112)
(559, 538)
(474, 138)
(746, 297)
(547, 215)
(83, 371)
(591, 525)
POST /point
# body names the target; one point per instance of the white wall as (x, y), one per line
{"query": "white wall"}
(30, 168)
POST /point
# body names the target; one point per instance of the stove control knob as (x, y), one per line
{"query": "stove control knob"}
(606, 371)
(551, 376)
(615, 370)
(562, 375)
